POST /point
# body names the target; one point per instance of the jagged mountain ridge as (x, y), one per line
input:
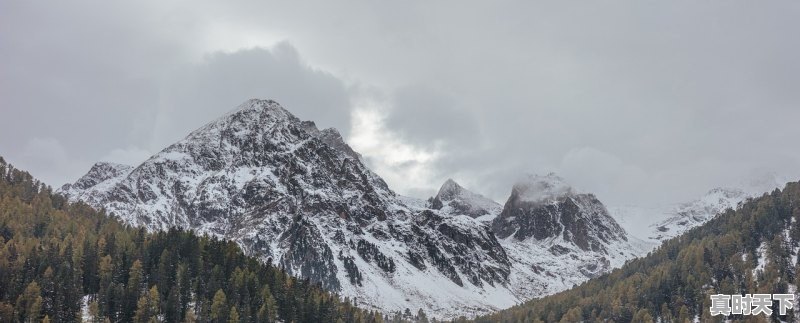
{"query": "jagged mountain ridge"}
(302, 198)
(452, 198)
(544, 207)
(658, 224)
(752, 249)
(694, 213)
(555, 234)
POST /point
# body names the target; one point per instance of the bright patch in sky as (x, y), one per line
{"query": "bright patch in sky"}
(405, 167)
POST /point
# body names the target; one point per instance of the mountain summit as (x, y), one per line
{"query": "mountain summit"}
(544, 207)
(455, 199)
(301, 198)
(556, 235)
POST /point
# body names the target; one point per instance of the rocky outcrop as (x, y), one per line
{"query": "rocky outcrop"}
(545, 207)
(454, 199)
(303, 199)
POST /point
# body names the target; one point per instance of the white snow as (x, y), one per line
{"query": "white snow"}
(656, 224)
(211, 170)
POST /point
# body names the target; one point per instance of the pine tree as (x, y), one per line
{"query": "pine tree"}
(53, 253)
(421, 317)
(172, 309)
(29, 304)
(134, 289)
(219, 306)
(148, 307)
(573, 315)
(683, 315)
(234, 316)
(643, 316)
(267, 312)
(94, 312)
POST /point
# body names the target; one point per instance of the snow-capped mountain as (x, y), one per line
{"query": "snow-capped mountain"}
(558, 236)
(689, 215)
(545, 207)
(454, 199)
(102, 176)
(301, 198)
(656, 224)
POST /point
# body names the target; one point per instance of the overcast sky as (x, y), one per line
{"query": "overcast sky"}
(640, 102)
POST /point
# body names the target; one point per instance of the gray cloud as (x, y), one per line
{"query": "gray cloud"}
(426, 117)
(647, 102)
(198, 93)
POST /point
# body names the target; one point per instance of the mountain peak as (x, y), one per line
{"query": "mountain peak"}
(258, 104)
(300, 197)
(260, 112)
(333, 138)
(449, 189)
(101, 172)
(458, 200)
(546, 207)
(538, 188)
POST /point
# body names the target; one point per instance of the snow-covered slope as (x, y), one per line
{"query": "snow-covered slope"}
(452, 198)
(558, 237)
(301, 198)
(656, 224)
(689, 215)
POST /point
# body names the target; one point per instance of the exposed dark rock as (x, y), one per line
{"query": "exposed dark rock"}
(544, 207)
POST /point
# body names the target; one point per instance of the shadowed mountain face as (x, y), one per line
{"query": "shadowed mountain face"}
(750, 249)
(544, 207)
(301, 198)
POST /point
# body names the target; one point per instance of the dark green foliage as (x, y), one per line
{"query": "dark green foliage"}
(53, 253)
(673, 283)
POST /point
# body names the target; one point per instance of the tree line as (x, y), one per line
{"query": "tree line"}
(746, 251)
(66, 262)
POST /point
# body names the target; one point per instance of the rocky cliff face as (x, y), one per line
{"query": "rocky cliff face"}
(452, 198)
(545, 207)
(302, 199)
(558, 236)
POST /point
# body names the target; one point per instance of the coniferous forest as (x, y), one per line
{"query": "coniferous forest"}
(747, 251)
(64, 262)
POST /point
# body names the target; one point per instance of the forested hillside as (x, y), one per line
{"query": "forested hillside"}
(750, 250)
(57, 256)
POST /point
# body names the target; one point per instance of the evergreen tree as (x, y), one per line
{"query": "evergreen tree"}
(421, 317)
(148, 307)
(53, 253)
(219, 306)
(29, 304)
(234, 315)
(744, 251)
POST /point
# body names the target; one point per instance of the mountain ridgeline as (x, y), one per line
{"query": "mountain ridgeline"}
(66, 262)
(546, 207)
(301, 198)
(752, 250)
